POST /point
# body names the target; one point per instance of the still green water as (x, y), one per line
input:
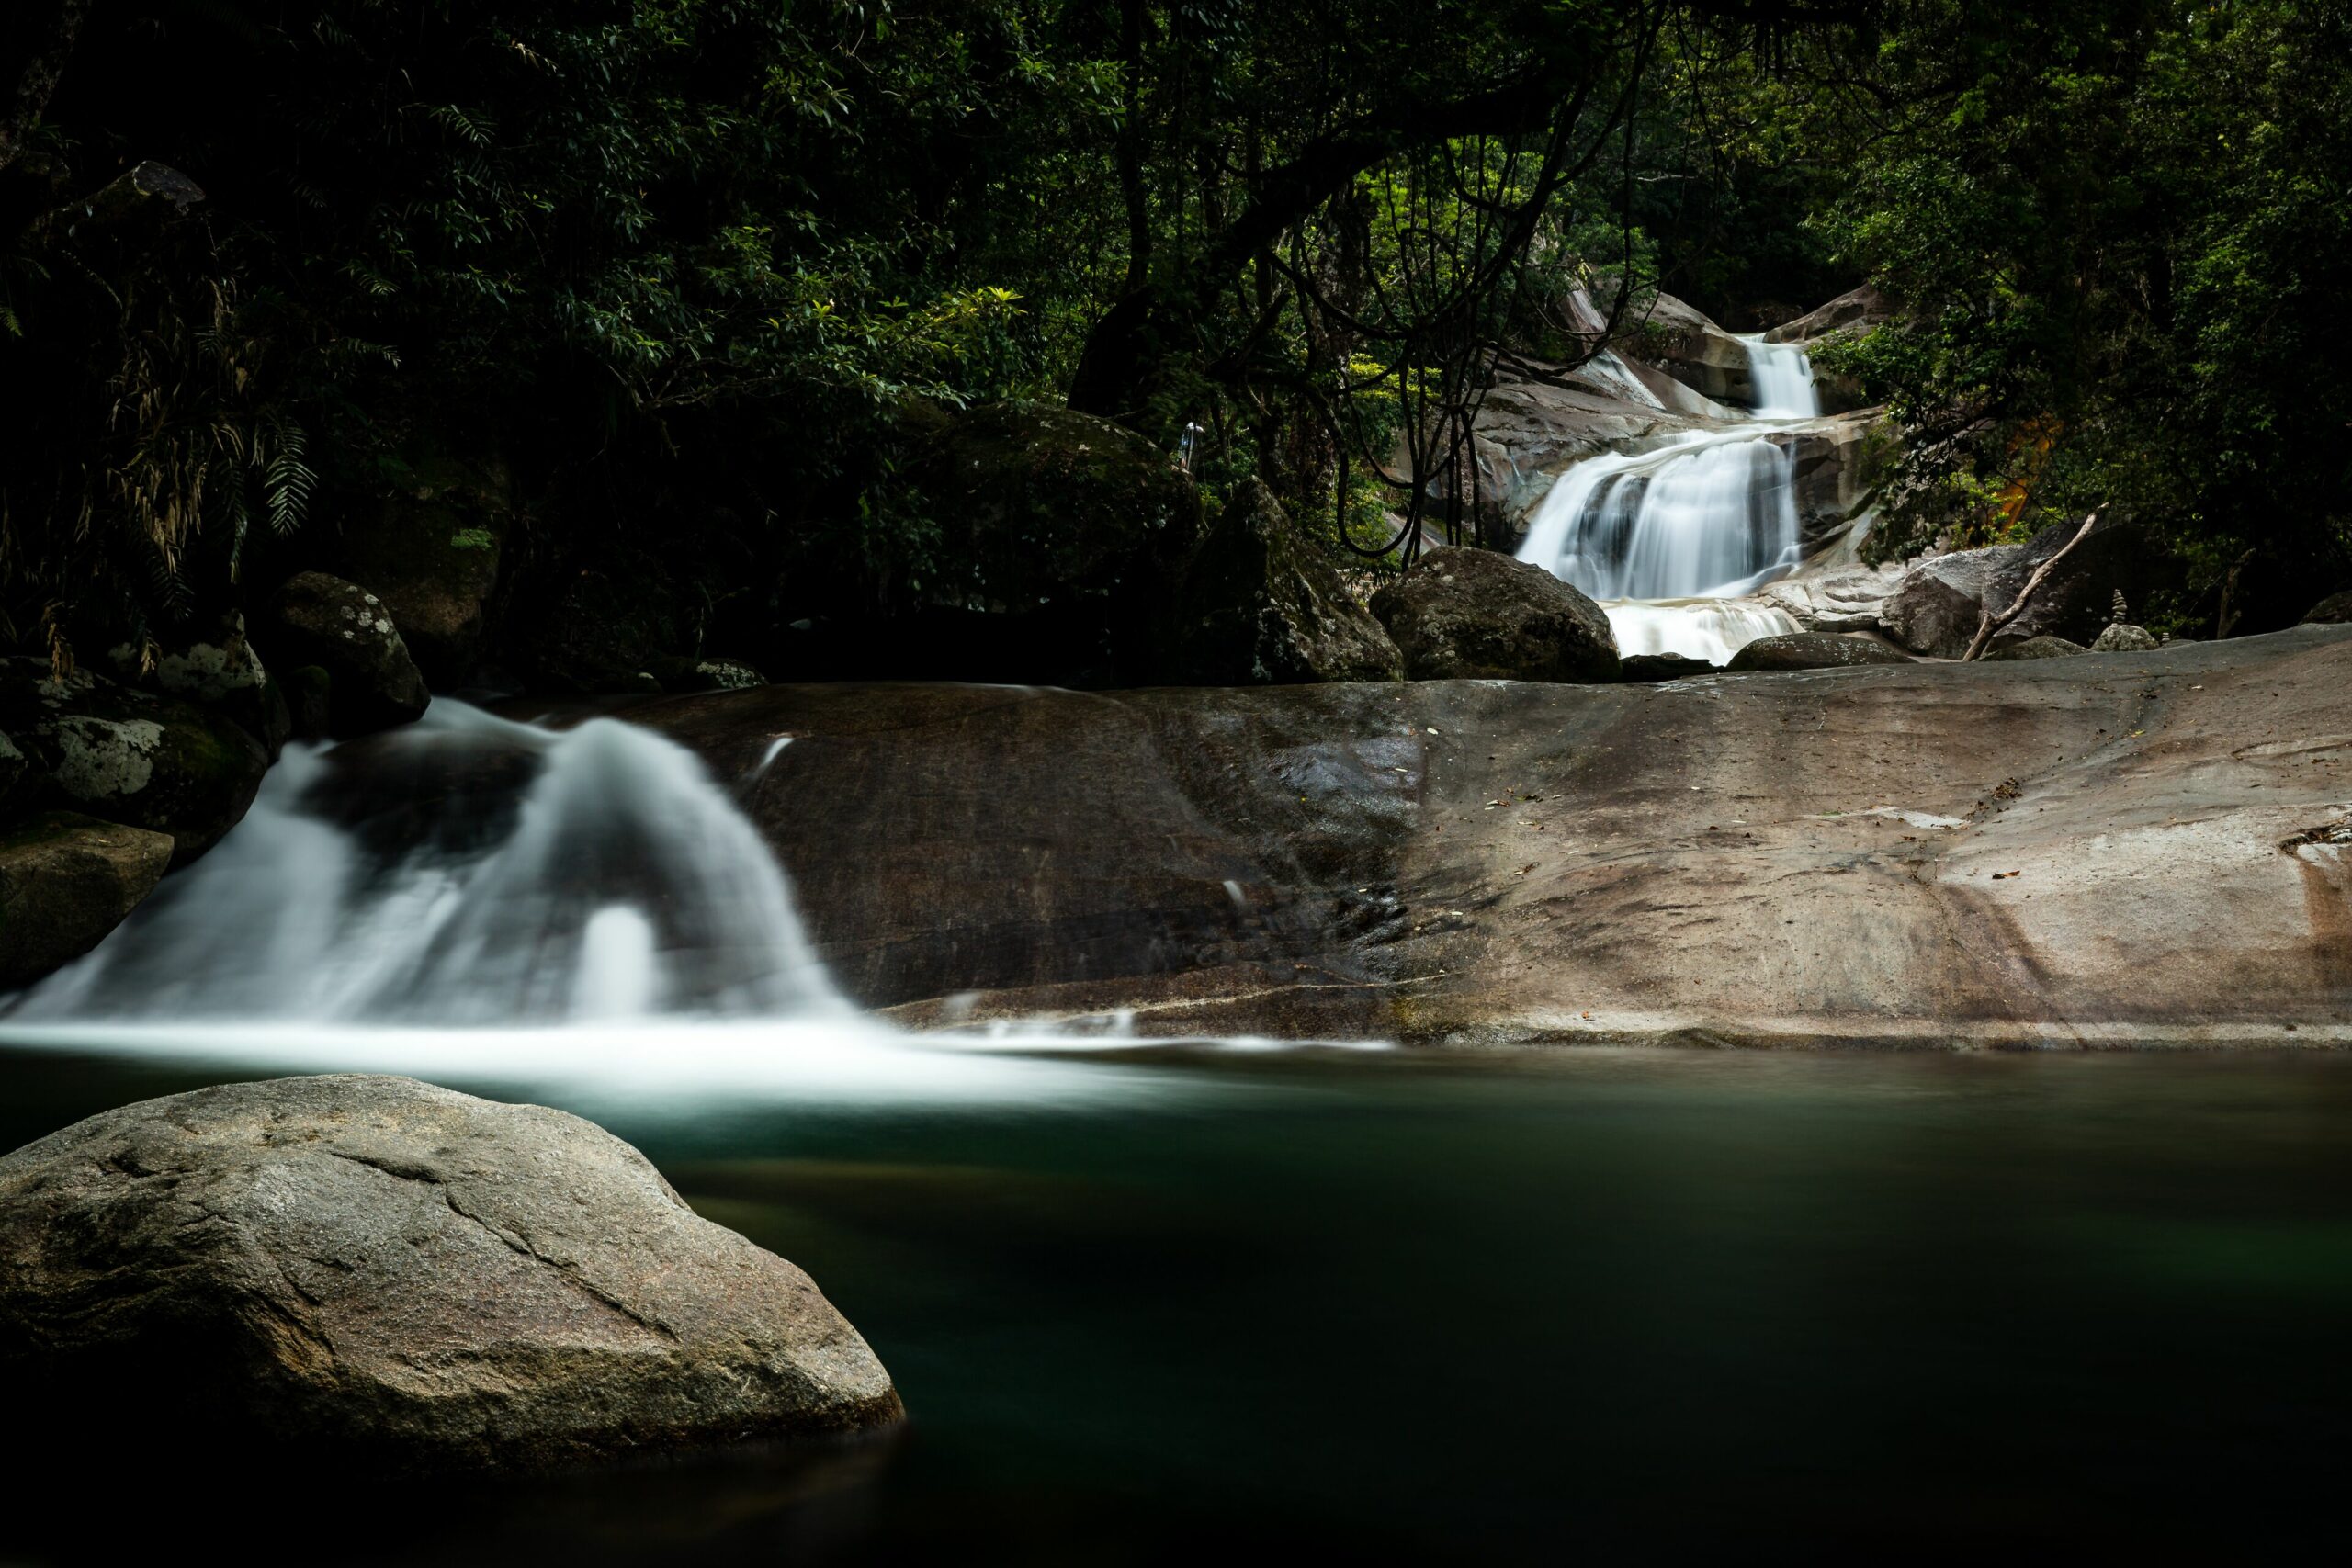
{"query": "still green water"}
(1401, 1306)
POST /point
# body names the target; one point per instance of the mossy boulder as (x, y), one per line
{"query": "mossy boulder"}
(131, 757)
(348, 631)
(1813, 651)
(1258, 606)
(2121, 637)
(214, 665)
(1468, 613)
(65, 881)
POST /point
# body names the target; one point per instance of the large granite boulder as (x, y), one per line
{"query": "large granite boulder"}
(1472, 614)
(1835, 464)
(131, 757)
(1058, 532)
(372, 1270)
(349, 632)
(1259, 605)
(214, 665)
(66, 882)
(1941, 599)
(1680, 339)
(1852, 313)
(1813, 651)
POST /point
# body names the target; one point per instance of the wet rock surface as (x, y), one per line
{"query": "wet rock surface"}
(131, 757)
(2037, 647)
(2062, 850)
(1476, 615)
(349, 632)
(358, 1269)
(66, 881)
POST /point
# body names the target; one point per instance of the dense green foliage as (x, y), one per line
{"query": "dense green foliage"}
(2123, 232)
(694, 269)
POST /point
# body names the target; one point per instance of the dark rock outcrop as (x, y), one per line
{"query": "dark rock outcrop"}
(213, 666)
(1813, 651)
(1650, 667)
(2039, 648)
(1936, 608)
(2334, 610)
(21, 779)
(2054, 852)
(131, 757)
(349, 633)
(428, 547)
(1062, 530)
(1853, 312)
(66, 882)
(374, 1270)
(1476, 615)
(681, 674)
(1259, 605)
(1680, 339)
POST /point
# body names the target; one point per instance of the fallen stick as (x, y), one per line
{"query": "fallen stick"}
(1989, 623)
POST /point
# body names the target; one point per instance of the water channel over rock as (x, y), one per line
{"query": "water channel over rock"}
(1672, 537)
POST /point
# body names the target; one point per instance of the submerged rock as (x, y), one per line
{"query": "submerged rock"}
(2122, 638)
(1259, 605)
(349, 633)
(1813, 651)
(66, 881)
(1473, 614)
(2037, 647)
(131, 757)
(375, 1270)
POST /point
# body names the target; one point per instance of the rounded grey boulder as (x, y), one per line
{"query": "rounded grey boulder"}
(1468, 613)
(376, 1268)
(349, 632)
(2122, 638)
(1813, 651)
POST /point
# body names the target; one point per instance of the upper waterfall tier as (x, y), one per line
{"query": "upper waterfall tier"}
(1782, 375)
(467, 870)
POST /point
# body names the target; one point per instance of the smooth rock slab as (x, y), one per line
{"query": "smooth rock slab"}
(375, 1268)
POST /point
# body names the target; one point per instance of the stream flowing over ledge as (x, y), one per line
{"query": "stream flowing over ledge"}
(2110, 849)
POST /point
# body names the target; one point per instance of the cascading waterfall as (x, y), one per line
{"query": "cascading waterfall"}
(467, 871)
(1669, 539)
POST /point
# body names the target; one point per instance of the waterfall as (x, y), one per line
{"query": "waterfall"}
(1664, 538)
(1782, 375)
(466, 870)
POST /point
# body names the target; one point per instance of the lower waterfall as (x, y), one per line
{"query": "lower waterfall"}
(467, 871)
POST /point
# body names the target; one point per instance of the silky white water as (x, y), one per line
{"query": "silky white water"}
(467, 870)
(1665, 538)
